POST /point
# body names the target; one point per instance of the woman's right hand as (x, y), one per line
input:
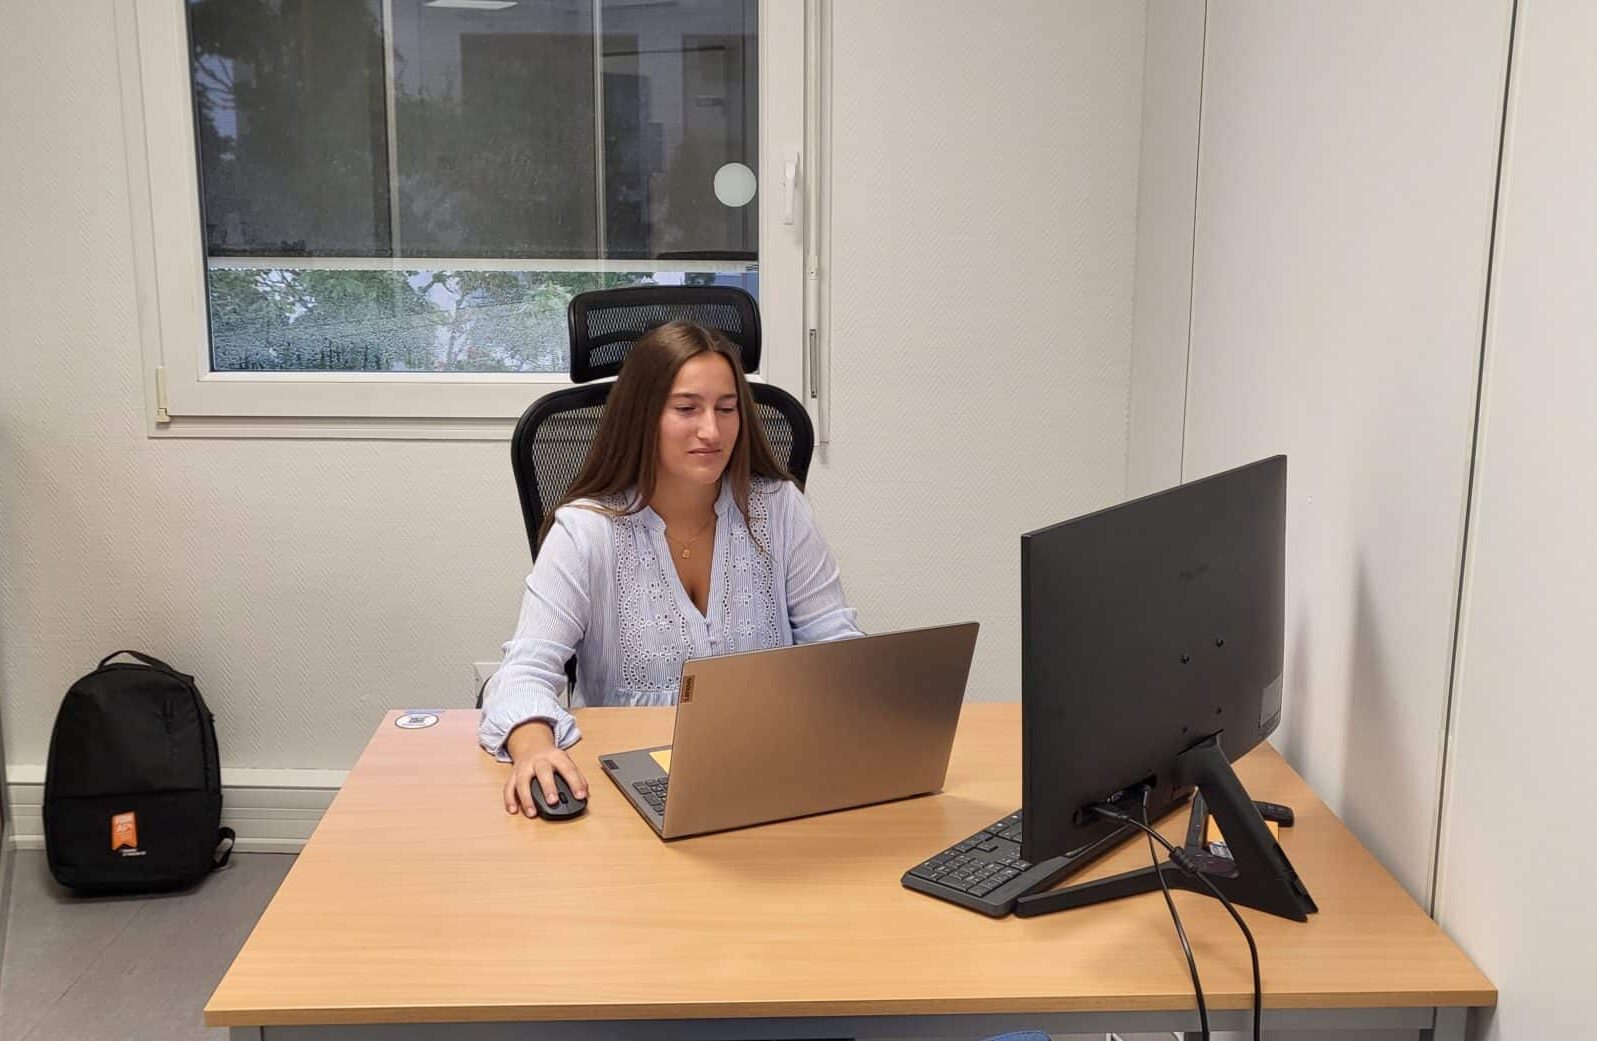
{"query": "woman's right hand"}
(535, 759)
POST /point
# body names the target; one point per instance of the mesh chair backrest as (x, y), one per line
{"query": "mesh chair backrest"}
(605, 323)
(552, 440)
(559, 446)
(779, 434)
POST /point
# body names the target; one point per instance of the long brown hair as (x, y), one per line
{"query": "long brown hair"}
(626, 451)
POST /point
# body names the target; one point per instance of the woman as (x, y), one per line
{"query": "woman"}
(681, 537)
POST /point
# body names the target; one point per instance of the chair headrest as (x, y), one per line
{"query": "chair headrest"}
(604, 323)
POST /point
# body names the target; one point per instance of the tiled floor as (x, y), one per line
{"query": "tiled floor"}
(129, 968)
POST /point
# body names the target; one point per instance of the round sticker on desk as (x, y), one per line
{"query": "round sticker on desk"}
(416, 721)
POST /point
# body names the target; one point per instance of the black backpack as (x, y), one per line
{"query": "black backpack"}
(133, 789)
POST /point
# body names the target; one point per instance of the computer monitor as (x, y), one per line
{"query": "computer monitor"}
(1152, 655)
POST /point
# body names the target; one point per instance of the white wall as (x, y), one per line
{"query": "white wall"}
(1172, 88)
(1345, 180)
(1517, 850)
(310, 585)
(983, 213)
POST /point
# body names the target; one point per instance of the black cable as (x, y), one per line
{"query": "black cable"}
(1178, 857)
(1175, 916)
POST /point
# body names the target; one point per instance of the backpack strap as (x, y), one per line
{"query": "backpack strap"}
(154, 663)
(225, 839)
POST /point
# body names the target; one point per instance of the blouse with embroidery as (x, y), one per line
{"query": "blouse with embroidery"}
(605, 588)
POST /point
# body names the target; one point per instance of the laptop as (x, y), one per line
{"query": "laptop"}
(792, 731)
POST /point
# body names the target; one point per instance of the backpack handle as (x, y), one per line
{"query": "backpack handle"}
(154, 663)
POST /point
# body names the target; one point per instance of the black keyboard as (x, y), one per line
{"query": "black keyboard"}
(986, 872)
(653, 792)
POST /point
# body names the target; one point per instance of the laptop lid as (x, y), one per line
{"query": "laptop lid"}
(767, 735)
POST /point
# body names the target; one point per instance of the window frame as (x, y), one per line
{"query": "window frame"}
(184, 397)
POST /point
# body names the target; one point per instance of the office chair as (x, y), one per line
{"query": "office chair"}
(552, 438)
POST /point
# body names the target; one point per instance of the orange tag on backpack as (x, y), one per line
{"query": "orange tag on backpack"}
(124, 831)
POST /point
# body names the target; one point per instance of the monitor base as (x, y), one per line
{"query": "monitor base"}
(1256, 874)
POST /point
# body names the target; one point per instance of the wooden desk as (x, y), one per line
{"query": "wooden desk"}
(420, 901)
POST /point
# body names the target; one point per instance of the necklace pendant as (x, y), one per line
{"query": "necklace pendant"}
(686, 554)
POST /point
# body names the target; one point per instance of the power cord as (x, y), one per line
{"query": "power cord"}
(1175, 916)
(1180, 859)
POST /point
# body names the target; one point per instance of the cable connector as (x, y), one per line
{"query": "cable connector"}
(1135, 795)
(1183, 860)
(1108, 812)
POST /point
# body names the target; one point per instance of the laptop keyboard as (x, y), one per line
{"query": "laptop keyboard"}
(653, 792)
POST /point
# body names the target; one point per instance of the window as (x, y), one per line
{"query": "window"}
(387, 204)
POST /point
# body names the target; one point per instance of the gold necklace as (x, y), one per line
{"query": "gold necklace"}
(687, 547)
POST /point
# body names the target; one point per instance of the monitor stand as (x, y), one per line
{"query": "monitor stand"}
(1257, 874)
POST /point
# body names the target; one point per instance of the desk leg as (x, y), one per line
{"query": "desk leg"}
(1450, 1025)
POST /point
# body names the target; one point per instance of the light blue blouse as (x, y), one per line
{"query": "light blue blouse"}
(605, 588)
